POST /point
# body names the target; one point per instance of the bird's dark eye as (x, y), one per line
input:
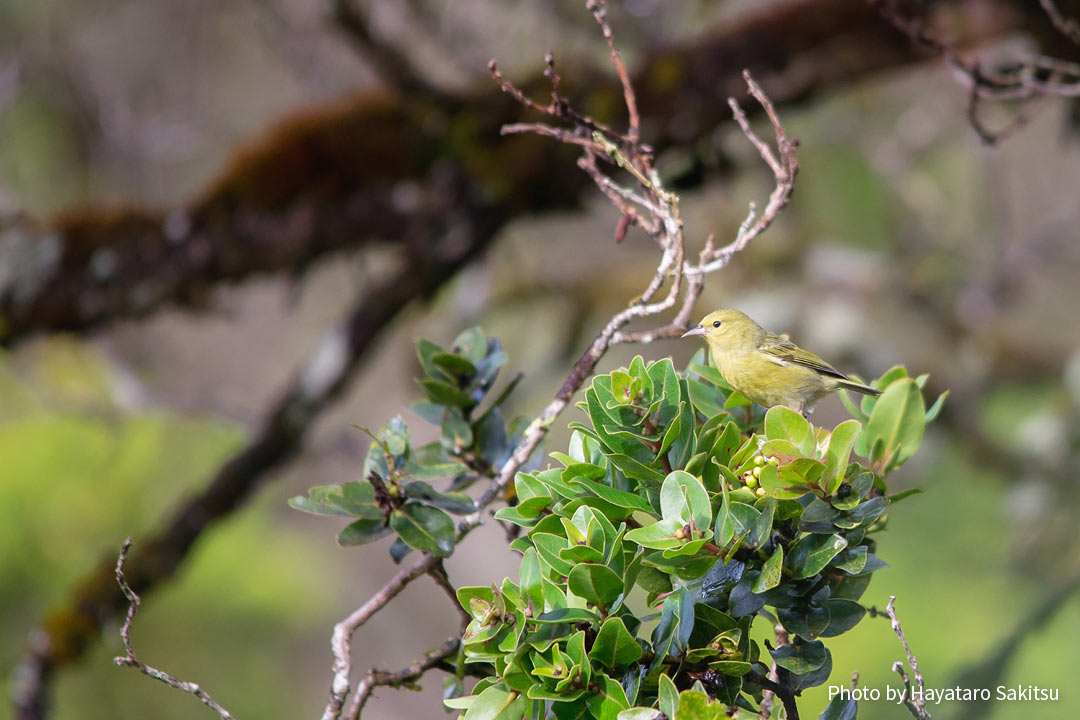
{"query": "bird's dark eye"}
(716, 323)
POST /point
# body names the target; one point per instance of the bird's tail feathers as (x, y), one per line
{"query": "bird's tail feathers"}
(858, 387)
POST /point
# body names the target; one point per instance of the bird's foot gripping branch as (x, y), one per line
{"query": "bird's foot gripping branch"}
(673, 503)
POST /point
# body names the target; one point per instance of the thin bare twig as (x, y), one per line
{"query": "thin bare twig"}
(599, 11)
(377, 678)
(1068, 27)
(1025, 81)
(917, 705)
(130, 660)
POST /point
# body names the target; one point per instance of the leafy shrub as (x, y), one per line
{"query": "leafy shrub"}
(680, 514)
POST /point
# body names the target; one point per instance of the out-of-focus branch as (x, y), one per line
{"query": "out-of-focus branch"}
(1067, 26)
(1026, 81)
(344, 175)
(393, 67)
(130, 660)
(990, 672)
(68, 629)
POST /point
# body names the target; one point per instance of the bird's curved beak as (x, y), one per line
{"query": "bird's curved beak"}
(696, 330)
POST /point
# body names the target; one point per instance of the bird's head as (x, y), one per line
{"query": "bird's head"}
(728, 330)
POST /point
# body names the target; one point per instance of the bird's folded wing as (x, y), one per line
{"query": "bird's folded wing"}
(783, 349)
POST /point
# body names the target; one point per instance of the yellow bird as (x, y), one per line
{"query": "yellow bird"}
(767, 368)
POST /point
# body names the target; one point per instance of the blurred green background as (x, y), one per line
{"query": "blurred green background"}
(906, 242)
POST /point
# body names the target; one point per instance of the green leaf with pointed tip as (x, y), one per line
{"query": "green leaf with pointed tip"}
(800, 659)
(612, 495)
(809, 555)
(837, 453)
(935, 409)
(770, 571)
(614, 646)
(424, 528)
(897, 421)
(783, 423)
(363, 531)
(668, 696)
(635, 470)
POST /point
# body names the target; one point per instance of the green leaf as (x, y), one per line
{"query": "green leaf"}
(809, 555)
(453, 365)
(837, 453)
(935, 409)
(781, 489)
(840, 708)
(548, 546)
(639, 713)
(363, 531)
(598, 584)
(456, 502)
(614, 646)
(635, 470)
(843, 615)
(532, 585)
(783, 423)
(612, 495)
(770, 572)
(425, 351)
(443, 393)
(897, 421)
(568, 615)
(762, 526)
(610, 701)
(497, 703)
(668, 696)
(897, 497)
(424, 528)
(471, 344)
(658, 536)
(354, 499)
(684, 498)
(457, 434)
(695, 705)
(802, 658)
